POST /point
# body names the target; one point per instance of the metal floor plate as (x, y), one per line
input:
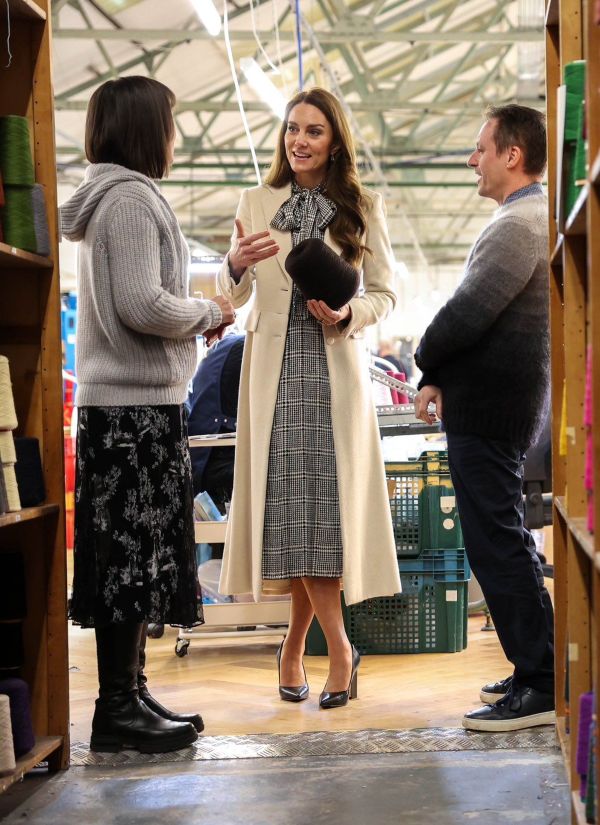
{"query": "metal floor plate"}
(321, 743)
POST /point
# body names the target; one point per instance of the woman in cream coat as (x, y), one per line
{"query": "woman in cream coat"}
(306, 195)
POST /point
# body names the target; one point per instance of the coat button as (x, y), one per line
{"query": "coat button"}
(331, 340)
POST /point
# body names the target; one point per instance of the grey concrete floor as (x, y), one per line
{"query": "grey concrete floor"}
(476, 787)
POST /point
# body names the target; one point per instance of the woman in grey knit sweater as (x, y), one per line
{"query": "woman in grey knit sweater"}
(136, 353)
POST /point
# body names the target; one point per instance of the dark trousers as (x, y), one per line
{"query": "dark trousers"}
(488, 482)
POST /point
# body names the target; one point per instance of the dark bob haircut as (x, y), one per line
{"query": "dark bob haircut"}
(130, 122)
(523, 127)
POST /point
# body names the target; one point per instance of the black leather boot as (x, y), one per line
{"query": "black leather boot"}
(121, 720)
(193, 718)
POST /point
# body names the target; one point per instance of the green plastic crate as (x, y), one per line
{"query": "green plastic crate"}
(423, 505)
(429, 616)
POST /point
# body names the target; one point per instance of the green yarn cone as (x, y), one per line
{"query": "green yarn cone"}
(16, 161)
(574, 79)
(580, 164)
(18, 218)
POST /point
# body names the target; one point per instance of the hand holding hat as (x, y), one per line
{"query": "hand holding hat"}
(321, 274)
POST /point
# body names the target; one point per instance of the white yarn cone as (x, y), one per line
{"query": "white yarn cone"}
(7, 751)
(8, 415)
(13, 499)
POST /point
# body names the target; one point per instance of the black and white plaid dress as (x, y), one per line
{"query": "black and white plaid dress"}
(302, 531)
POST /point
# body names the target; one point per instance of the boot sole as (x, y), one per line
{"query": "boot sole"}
(500, 726)
(491, 698)
(105, 743)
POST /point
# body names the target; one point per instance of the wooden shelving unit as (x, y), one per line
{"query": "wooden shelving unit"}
(575, 325)
(30, 339)
(28, 513)
(13, 258)
(43, 748)
(28, 10)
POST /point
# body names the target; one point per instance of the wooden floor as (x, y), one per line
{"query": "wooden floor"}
(233, 684)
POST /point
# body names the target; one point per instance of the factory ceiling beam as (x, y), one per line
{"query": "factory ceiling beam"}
(341, 35)
(378, 105)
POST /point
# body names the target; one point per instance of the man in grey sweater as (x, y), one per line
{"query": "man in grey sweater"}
(485, 362)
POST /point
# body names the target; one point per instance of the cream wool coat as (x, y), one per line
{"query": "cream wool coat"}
(369, 551)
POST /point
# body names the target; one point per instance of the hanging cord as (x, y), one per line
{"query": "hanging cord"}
(257, 38)
(8, 36)
(296, 8)
(278, 47)
(238, 92)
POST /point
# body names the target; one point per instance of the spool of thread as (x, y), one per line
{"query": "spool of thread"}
(16, 160)
(11, 646)
(590, 795)
(7, 750)
(20, 714)
(3, 496)
(13, 591)
(393, 392)
(40, 220)
(30, 476)
(580, 160)
(13, 500)
(18, 221)
(8, 415)
(586, 709)
(8, 450)
(402, 396)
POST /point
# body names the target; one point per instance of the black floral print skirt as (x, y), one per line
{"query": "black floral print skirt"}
(134, 528)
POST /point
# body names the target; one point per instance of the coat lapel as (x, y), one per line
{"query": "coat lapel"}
(271, 201)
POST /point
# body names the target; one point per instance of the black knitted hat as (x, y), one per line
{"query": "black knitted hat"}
(321, 274)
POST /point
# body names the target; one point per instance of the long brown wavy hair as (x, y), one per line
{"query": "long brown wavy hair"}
(342, 183)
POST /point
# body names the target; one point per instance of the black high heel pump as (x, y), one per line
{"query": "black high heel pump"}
(339, 698)
(291, 694)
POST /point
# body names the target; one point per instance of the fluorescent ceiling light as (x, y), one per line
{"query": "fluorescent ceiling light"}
(209, 16)
(263, 86)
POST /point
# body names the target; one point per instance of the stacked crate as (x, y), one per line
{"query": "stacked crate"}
(430, 615)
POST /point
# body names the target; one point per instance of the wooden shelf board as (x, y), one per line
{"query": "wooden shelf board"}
(578, 529)
(13, 258)
(578, 808)
(595, 170)
(26, 8)
(552, 13)
(27, 514)
(561, 506)
(44, 746)
(556, 258)
(576, 222)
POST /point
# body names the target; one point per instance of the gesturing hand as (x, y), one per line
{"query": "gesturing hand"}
(248, 250)
(327, 316)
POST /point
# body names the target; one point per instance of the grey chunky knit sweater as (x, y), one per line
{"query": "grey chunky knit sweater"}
(136, 326)
(488, 347)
